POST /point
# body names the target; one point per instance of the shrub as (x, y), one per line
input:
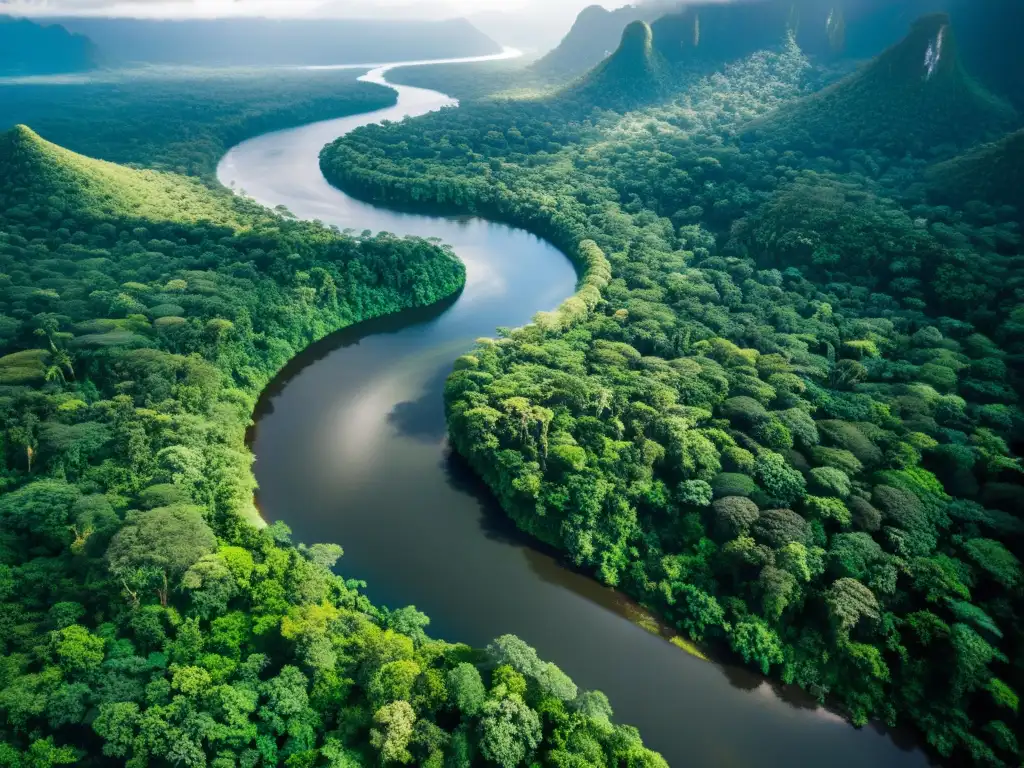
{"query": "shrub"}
(779, 480)
(736, 459)
(829, 481)
(743, 411)
(847, 436)
(733, 516)
(800, 425)
(695, 492)
(828, 508)
(774, 434)
(838, 458)
(863, 515)
(733, 484)
(779, 527)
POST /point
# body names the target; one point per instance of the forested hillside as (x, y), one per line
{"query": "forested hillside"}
(915, 98)
(28, 48)
(145, 617)
(991, 172)
(180, 120)
(594, 35)
(783, 408)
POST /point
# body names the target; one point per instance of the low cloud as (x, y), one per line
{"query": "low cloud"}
(404, 9)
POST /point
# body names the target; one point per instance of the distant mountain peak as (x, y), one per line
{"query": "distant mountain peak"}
(637, 39)
(30, 48)
(630, 76)
(928, 52)
(596, 31)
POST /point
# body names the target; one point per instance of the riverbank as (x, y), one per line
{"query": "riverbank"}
(353, 448)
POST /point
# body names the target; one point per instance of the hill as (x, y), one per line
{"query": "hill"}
(253, 41)
(914, 97)
(28, 48)
(135, 333)
(595, 34)
(729, 30)
(992, 173)
(30, 165)
(633, 75)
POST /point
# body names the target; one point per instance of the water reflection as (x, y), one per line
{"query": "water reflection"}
(421, 419)
(350, 448)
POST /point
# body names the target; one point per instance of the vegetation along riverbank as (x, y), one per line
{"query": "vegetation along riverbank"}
(783, 406)
(144, 617)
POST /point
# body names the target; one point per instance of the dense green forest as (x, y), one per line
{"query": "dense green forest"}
(146, 617)
(783, 407)
(180, 120)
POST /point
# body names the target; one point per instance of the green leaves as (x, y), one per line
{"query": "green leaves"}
(467, 688)
(77, 650)
(781, 482)
(159, 546)
(509, 731)
(850, 603)
(757, 643)
(996, 560)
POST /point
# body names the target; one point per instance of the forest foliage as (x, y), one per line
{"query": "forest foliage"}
(783, 408)
(180, 120)
(146, 616)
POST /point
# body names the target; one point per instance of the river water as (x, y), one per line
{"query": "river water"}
(350, 448)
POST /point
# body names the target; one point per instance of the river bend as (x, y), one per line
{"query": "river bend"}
(350, 448)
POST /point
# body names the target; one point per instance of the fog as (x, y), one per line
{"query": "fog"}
(404, 9)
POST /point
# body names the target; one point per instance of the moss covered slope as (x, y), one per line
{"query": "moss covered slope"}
(98, 188)
(635, 74)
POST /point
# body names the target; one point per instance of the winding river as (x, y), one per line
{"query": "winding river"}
(350, 447)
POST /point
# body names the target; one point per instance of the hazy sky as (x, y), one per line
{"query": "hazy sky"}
(361, 8)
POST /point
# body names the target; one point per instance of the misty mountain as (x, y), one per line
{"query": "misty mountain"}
(829, 29)
(531, 28)
(596, 33)
(914, 97)
(28, 48)
(256, 41)
(634, 74)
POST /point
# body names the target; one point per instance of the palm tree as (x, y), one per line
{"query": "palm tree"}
(54, 373)
(62, 360)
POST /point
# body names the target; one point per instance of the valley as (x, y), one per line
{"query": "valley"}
(681, 366)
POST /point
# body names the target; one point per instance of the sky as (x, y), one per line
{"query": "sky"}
(353, 8)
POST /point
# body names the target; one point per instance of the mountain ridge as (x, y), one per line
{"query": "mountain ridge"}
(913, 97)
(31, 48)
